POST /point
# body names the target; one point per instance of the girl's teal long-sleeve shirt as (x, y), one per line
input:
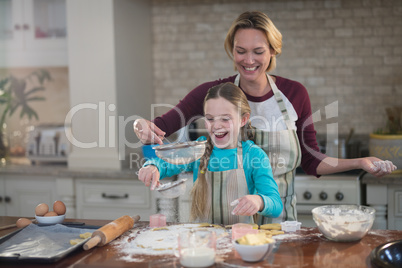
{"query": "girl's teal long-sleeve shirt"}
(256, 167)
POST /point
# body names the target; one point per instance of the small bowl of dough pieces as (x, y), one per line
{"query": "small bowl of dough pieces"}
(254, 247)
(344, 223)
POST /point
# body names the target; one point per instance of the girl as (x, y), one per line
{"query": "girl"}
(232, 171)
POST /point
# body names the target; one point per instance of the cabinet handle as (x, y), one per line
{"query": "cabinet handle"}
(7, 199)
(1, 199)
(114, 196)
(25, 26)
(17, 27)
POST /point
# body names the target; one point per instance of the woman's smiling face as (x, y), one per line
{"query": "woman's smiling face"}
(223, 122)
(251, 53)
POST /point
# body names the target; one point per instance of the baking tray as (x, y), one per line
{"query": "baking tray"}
(42, 243)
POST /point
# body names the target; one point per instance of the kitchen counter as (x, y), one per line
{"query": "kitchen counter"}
(22, 166)
(394, 178)
(305, 248)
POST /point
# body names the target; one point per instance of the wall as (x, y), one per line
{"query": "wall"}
(341, 50)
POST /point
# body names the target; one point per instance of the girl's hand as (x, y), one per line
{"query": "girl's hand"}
(148, 132)
(149, 175)
(377, 167)
(248, 205)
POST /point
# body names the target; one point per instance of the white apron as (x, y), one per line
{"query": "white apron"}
(283, 150)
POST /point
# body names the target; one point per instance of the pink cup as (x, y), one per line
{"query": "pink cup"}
(157, 220)
(241, 229)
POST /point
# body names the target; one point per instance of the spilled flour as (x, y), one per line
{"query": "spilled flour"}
(163, 241)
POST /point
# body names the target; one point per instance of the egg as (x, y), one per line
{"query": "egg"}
(59, 207)
(41, 209)
(22, 222)
(50, 214)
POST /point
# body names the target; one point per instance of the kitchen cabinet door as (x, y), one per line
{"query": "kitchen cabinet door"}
(111, 199)
(24, 193)
(33, 33)
(395, 207)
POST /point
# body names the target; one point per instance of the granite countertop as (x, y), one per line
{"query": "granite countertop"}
(394, 178)
(22, 166)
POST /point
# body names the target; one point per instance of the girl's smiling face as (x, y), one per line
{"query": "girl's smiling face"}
(223, 122)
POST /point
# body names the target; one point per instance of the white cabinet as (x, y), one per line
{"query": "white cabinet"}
(21, 194)
(33, 33)
(395, 207)
(112, 198)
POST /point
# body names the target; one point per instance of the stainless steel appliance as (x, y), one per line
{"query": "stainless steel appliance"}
(311, 192)
(48, 143)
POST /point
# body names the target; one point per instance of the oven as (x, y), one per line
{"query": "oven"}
(311, 192)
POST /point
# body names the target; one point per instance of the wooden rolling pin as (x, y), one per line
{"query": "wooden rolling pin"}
(111, 231)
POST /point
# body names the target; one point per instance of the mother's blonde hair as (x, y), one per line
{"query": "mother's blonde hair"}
(260, 21)
(234, 95)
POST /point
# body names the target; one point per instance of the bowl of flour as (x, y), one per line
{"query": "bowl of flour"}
(344, 223)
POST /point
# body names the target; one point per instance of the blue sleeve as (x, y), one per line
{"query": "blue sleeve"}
(260, 180)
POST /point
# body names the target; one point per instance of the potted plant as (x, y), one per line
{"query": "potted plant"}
(17, 94)
(387, 143)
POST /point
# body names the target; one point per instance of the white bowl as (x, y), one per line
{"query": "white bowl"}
(344, 223)
(254, 253)
(50, 220)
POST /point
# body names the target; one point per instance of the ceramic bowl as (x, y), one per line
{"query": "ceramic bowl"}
(254, 253)
(50, 220)
(344, 223)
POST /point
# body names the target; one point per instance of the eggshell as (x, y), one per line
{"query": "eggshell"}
(41, 209)
(59, 207)
(50, 214)
(22, 222)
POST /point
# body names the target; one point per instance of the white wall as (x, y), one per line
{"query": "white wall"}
(104, 73)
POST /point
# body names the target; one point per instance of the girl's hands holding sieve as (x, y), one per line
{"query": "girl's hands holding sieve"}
(149, 175)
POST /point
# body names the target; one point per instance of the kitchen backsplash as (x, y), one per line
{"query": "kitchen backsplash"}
(340, 50)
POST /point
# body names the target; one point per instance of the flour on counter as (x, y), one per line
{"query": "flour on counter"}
(163, 241)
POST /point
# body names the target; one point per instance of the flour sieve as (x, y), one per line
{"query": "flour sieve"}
(172, 189)
(182, 152)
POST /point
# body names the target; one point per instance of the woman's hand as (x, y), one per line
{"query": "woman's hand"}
(248, 205)
(376, 166)
(148, 132)
(149, 175)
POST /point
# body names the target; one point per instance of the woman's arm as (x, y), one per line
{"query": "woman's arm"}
(372, 165)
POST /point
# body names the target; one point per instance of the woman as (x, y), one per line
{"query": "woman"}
(232, 172)
(280, 110)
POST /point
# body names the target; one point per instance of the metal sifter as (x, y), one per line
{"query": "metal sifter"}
(182, 152)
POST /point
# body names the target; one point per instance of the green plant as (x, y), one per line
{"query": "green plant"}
(394, 122)
(18, 93)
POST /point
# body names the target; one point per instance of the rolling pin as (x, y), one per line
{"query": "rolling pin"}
(110, 231)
